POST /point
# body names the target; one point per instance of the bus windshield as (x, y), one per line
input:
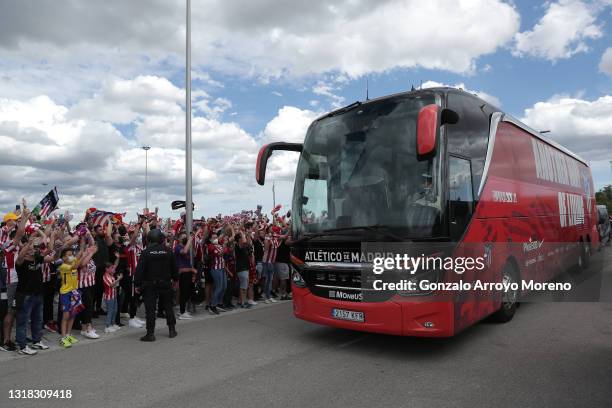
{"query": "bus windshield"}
(359, 169)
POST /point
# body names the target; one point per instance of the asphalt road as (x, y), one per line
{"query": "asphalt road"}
(549, 355)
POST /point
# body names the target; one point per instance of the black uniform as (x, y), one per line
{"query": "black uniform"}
(154, 275)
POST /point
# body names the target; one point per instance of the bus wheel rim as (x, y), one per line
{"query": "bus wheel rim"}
(509, 297)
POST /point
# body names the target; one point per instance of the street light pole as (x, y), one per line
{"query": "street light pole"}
(188, 175)
(146, 149)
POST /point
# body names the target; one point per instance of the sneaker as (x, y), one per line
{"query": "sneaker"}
(139, 320)
(221, 308)
(272, 300)
(267, 301)
(213, 310)
(91, 334)
(252, 302)
(185, 316)
(109, 329)
(65, 342)
(119, 324)
(117, 327)
(40, 346)
(51, 326)
(124, 315)
(229, 306)
(27, 351)
(9, 346)
(72, 339)
(247, 306)
(135, 324)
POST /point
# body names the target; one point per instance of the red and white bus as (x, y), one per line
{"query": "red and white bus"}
(431, 166)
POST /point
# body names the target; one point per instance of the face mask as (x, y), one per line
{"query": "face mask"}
(71, 258)
(215, 241)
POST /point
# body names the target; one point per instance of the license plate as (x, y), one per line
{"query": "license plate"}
(341, 314)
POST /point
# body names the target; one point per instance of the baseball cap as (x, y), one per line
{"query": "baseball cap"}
(10, 217)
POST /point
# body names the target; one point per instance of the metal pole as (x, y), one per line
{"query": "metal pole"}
(146, 149)
(273, 194)
(188, 183)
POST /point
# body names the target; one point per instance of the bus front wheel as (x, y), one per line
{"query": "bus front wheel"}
(509, 298)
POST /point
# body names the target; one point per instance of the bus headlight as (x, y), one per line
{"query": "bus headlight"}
(297, 279)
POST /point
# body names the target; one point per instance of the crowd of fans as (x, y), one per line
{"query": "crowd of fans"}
(60, 277)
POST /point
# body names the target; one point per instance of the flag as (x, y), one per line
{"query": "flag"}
(47, 204)
(101, 218)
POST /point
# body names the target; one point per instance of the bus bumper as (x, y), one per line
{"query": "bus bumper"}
(402, 318)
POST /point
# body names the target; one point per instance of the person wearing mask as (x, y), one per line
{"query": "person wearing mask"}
(29, 296)
(271, 244)
(103, 241)
(182, 252)
(87, 282)
(217, 271)
(131, 302)
(243, 249)
(12, 234)
(155, 273)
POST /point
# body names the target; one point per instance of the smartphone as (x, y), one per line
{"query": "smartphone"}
(18, 207)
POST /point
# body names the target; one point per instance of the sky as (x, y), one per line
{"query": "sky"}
(83, 85)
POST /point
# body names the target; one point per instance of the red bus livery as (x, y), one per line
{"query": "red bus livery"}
(441, 167)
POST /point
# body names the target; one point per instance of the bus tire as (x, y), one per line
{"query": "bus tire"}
(584, 258)
(509, 299)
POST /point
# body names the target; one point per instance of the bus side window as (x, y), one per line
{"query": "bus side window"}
(461, 197)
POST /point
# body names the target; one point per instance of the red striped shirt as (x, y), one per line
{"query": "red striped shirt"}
(110, 291)
(216, 256)
(10, 254)
(87, 275)
(133, 253)
(270, 253)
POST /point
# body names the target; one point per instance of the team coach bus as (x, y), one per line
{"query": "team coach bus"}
(438, 166)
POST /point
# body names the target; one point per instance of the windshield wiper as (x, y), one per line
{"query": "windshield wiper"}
(343, 110)
(380, 229)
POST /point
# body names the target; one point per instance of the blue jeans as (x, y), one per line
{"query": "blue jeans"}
(111, 311)
(31, 310)
(268, 274)
(220, 282)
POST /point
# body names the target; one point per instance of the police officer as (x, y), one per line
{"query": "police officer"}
(154, 275)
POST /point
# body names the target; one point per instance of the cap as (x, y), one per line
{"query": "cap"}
(10, 217)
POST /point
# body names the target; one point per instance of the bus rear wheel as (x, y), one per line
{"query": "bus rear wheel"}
(509, 299)
(584, 256)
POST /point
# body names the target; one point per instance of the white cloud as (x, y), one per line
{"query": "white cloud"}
(269, 38)
(324, 89)
(605, 65)
(493, 100)
(289, 125)
(580, 125)
(562, 32)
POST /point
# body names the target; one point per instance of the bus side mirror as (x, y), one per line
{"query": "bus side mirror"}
(427, 131)
(430, 118)
(264, 154)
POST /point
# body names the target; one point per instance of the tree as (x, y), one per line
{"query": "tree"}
(604, 196)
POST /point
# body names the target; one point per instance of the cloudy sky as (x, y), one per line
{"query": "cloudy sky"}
(84, 84)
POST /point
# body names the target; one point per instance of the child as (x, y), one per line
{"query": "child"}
(110, 295)
(69, 296)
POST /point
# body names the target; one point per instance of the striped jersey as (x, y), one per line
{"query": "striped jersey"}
(87, 275)
(271, 249)
(110, 291)
(133, 254)
(215, 253)
(10, 255)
